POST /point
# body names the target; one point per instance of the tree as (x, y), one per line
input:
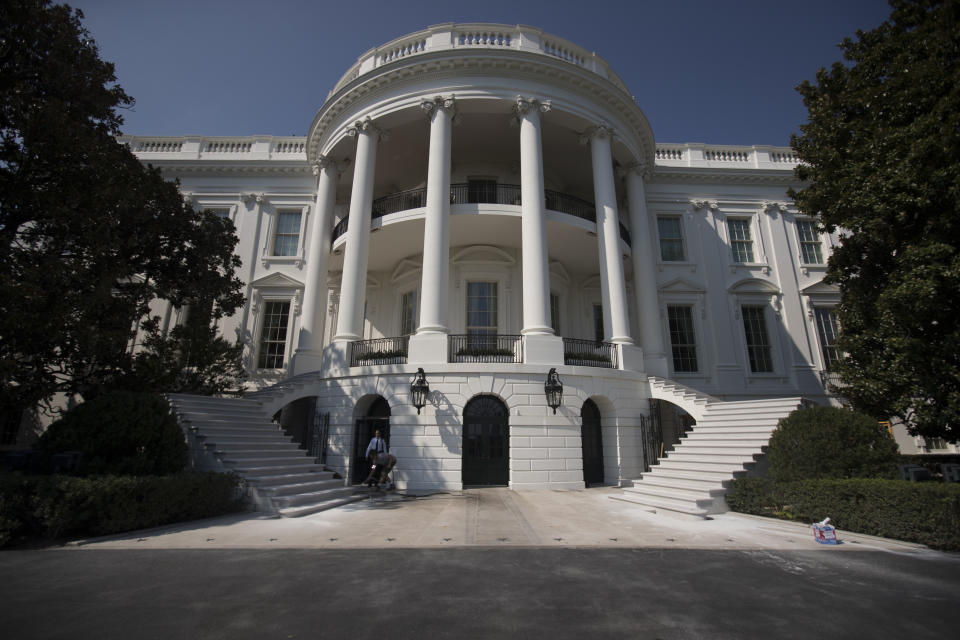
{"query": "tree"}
(89, 235)
(881, 162)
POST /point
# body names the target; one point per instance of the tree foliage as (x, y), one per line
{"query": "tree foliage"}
(829, 442)
(881, 154)
(89, 235)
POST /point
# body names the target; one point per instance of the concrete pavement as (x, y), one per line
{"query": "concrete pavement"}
(495, 517)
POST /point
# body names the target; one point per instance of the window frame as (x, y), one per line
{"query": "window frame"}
(827, 348)
(747, 222)
(816, 242)
(274, 211)
(678, 218)
(263, 326)
(689, 308)
(768, 347)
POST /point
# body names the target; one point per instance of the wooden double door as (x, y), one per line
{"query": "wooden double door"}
(486, 443)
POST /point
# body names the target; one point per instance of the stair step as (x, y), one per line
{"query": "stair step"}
(259, 471)
(259, 446)
(681, 507)
(711, 486)
(263, 454)
(700, 498)
(693, 474)
(302, 487)
(680, 455)
(312, 497)
(307, 509)
(723, 449)
(697, 465)
(281, 478)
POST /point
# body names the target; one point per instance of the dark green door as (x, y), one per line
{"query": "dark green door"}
(486, 449)
(592, 440)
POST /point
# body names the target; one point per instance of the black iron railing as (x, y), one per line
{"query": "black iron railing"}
(379, 351)
(589, 353)
(485, 348)
(485, 193)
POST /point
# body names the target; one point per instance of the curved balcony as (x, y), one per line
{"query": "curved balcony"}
(464, 193)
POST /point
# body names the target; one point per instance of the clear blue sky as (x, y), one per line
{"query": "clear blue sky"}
(720, 72)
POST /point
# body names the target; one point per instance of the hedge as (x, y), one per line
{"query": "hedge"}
(926, 513)
(54, 507)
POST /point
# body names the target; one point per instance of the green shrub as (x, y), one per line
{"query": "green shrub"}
(122, 433)
(51, 507)
(827, 442)
(926, 513)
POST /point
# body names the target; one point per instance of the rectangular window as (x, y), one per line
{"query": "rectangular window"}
(286, 237)
(740, 241)
(671, 239)
(598, 322)
(408, 313)
(809, 242)
(482, 308)
(758, 341)
(682, 338)
(828, 328)
(273, 336)
(555, 313)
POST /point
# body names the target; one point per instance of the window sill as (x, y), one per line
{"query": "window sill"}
(297, 260)
(686, 264)
(763, 266)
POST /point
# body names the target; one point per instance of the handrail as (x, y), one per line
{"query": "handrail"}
(590, 353)
(485, 348)
(379, 351)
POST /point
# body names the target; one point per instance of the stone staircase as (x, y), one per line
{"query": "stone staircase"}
(237, 434)
(727, 440)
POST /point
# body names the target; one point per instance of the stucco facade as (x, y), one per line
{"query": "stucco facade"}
(489, 202)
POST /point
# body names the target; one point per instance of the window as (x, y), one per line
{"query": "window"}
(286, 236)
(482, 308)
(682, 338)
(408, 313)
(598, 322)
(671, 239)
(481, 190)
(273, 336)
(828, 328)
(809, 242)
(555, 313)
(758, 341)
(740, 241)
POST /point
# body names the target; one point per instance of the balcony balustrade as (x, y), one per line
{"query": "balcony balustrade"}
(589, 353)
(379, 351)
(464, 193)
(485, 348)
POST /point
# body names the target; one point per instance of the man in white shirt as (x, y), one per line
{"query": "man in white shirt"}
(381, 461)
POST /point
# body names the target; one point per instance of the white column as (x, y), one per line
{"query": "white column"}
(436, 227)
(540, 345)
(536, 270)
(353, 283)
(429, 345)
(644, 278)
(310, 343)
(612, 282)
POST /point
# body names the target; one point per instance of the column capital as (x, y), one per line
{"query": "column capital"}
(525, 105)
(704, 204)
(252, 198)
(367, 126)
(639, 168)
(437, 103)
(600, 130)
(324, 162)
(773, 207)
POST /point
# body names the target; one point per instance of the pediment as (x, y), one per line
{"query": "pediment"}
(754, 285)
(821, 289)
(276, 280)
(681, 285)
(484, 254)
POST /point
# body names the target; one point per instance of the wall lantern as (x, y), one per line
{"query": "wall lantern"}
(553, 389)
(419, 390)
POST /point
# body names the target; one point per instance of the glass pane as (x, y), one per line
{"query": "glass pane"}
(682, 338)
(671, 239)
(273, 336)
(758, 342)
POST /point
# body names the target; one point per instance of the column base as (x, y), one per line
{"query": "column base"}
(541, 348)
(336, 356)
(427, 348)
(631, 357)
(306, 361)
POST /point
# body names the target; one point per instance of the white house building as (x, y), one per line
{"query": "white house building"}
(488, 203)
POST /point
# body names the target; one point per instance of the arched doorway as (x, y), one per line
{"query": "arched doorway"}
(377, 417)
(486, 448)
(592, 442)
